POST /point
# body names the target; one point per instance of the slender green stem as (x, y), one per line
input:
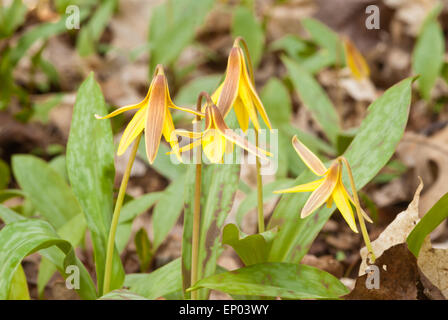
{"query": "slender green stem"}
(364, 232)
(197, 207)
(261, 227)
(259, 191)
(116, 216)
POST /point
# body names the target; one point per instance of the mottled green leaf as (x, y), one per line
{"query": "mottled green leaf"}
(163, 281)
(286, 280)
(19, 286)
(21, 238)
(122, 294)
(90, 167)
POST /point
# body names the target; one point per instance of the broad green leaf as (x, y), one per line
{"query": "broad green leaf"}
(90, 167)
(91, 33)
(291, 44)
(179, 21)
(250, 202)
(5, 174)
(143, 248)
(21, 238)
(327, 39)
(315, 99)
(44, 275)
(276, 100)
(122, 294)
(188, 94)
(167, 210)
(286, 280)
(46, 189)
(435, 216)
(129, 212)
(19, 286)
(369, 151)
(163, 281)
(8, 216)
(428, 55)
(251, 249)
(245, 25)
(163, 163)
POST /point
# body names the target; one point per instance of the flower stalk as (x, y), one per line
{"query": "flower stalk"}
(197, 209)
(260, 209)
(116, 216)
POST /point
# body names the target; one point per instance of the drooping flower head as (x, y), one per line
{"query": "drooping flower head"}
(329, 188)
(153, 116)
(238, 90)
(216, 136)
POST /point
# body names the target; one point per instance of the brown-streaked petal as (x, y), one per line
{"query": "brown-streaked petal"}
(229, 134)
(229, 89)
(155, 117)
(322, 193)
(307, 187)
(343, 204)
(308, 157)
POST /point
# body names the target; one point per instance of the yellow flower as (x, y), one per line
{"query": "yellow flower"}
(153, 116)
(355, 61)
(327, 189)
(215, 136)
(238, 90)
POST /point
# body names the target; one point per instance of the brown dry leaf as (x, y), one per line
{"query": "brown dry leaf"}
(427, 156)
(434, 264)
(399, 279)
(396, 232)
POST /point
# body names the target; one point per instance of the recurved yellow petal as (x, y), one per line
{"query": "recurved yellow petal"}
(307, 187)
(230, 135)
(355, 61)
(133, 129)
(343, 203)
(323, 192)
(365, 215)
(155, 117)
(308, 157)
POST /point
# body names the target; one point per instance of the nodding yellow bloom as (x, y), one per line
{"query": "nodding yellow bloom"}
(327, 189)
(153, 116)
(238, 90)
(215, 136)
(355, 61)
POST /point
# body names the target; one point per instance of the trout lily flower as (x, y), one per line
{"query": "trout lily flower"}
(238, 90)
(329, 188)
(216, 135)
(153, 116)
(355, 61)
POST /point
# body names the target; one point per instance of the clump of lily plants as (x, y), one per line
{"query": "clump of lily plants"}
(205, 184)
